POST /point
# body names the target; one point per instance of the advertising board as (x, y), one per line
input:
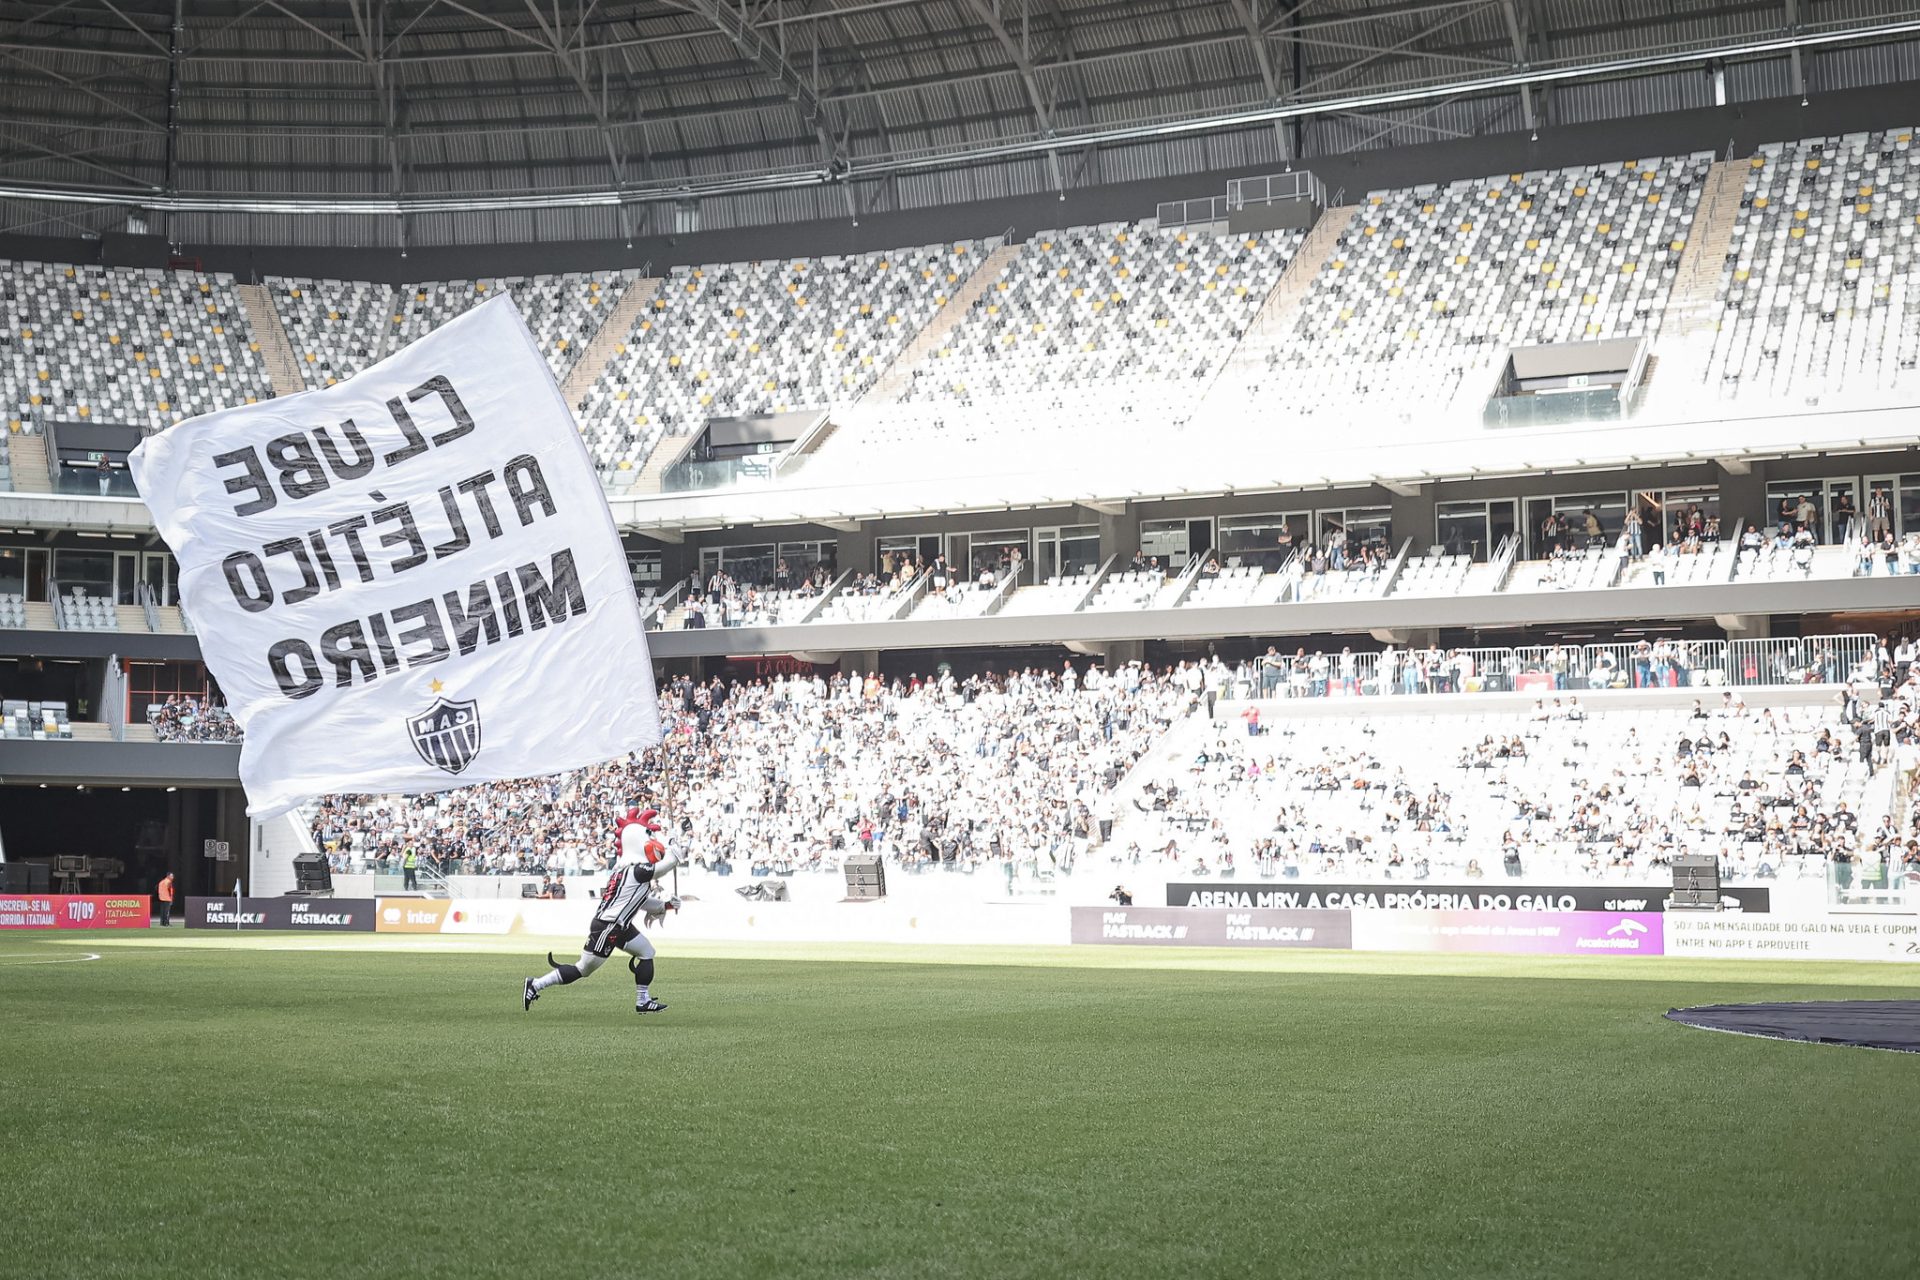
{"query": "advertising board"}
(75, 911)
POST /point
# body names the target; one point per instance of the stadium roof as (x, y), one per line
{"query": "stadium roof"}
(450, 106)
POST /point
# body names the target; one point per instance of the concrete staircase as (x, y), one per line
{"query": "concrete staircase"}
(647, 478)
(28, 455)
(1276, 314)
(612, 332)
(91, 731)
(1274, 319)
(283, 369)
(1692, 315)
(171, 623)
(40, 616)
(898, 375)
(132, 617)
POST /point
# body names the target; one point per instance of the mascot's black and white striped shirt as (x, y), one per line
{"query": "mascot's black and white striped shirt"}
(629, 891)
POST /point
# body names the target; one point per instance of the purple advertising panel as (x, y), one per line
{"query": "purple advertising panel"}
(1181, 927)
(1552, 933)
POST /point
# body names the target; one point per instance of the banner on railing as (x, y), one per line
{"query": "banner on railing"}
(1559, 933)
(446, 915)
(300, 915)
(1173, 927)
(1771, 937)
(1266, 895)
(75, 911)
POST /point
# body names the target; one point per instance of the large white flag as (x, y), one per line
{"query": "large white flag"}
(409, 581)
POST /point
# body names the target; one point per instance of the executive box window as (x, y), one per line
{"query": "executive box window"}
(23, 572)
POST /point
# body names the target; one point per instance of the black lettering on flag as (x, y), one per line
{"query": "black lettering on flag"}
(292, 456)
(345, 645)
(459, 541)
(531, 491)
(508, 605)
(477, 486)
(303, 683)
(559, 597)
(416, 443)
(462, 420)
(407, 535)
(309, 580)
(427, 614)
(260, 596)
(255, 480)
(468, 622)
(349, 530)
(325, 558)
(389, 660)
(362, 451)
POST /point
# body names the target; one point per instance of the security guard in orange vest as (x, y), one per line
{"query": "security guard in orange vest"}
(166, 900)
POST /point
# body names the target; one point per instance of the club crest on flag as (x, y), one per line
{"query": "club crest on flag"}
(447, 734)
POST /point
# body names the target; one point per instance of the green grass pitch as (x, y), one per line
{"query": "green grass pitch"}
(196, 1106)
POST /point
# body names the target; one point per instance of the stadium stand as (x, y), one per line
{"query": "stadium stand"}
(744, 338)
(563, 312)
(1430, 287)
(80, 611)
(842, 764)
(338, 327)
(123, 345)
(13, 610)
(41, 721)
(1120, 302)
(1818, 295)
(335, 327)
(1555, 790)
(1087, 327)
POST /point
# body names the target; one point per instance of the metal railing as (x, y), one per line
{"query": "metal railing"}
(1002, 592)
(113, 699)
(838, 585)
(1189, 213)
(1505, 557)
(908, 599)
(1298, 184)
(143, 596)
(1189, 577)
(1093, 588)
(1665, 664)
(653, 615)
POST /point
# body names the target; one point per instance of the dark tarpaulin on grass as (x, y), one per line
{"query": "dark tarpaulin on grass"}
(1870, 1024)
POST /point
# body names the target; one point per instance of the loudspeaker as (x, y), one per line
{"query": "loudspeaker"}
(866, 876)
(1696, 883)
(311, 874)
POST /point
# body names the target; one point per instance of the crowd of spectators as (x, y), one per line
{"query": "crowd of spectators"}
(772, 776)
(792, 773)
(1557, 790)
(183, 718)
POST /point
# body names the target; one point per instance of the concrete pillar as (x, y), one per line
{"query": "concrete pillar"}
(860, 661)
(853, 550)
(1744, 497)
(1413, 518)
(1120, 534)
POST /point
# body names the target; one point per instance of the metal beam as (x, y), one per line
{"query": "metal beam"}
(1023, 64)
(801, 90)
(1538, 75)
